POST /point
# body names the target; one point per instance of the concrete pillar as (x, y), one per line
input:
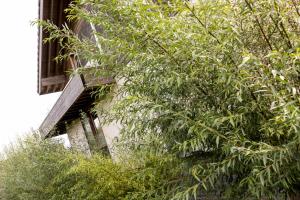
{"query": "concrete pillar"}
(77, 137)
(110, 131)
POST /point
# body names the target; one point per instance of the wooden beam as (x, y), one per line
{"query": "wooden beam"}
(52, 10)
(68, 97)
(75, 96)
(51, 45)
(60, 11)
(91, 80)
(54, 80)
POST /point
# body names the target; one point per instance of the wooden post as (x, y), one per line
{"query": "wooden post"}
(93, 128)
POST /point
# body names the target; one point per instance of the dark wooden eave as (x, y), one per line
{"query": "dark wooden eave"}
(76, 97)
(51, 74)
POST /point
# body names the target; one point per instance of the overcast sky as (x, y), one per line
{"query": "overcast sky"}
(21, 108)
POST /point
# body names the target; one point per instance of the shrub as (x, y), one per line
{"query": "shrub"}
(28, 168)
(100, 178)
(44, 169)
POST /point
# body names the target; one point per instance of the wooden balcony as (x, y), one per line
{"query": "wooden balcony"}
(76, 97)
(51, 74)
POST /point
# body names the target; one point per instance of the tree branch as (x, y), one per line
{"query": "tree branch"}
(208, 31)
(260, 26)
(295, 5)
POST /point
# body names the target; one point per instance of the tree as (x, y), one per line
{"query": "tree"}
(212, 83)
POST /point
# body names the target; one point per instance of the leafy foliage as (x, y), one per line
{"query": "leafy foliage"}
(37, 169)
(212, 83)
(29, 166)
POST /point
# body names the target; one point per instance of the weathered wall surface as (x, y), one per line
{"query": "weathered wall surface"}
(111, 131)
(78, 138)
(100, 136)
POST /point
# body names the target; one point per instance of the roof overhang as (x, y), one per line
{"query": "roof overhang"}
(51, 74)
(75, 98)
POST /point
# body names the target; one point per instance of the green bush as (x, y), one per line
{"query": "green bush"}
(34, 169)
(28, 168)
(100, 178)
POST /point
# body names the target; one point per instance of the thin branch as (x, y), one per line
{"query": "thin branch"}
(283, 32)
(283, 35)
(259, 25)
(166, 51)
(208, 31)
(296, 8)
(202, 24)
(287, 36)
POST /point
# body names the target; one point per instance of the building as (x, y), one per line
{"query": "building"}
(71, 113)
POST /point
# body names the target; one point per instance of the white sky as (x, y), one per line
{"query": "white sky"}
(21, 108)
